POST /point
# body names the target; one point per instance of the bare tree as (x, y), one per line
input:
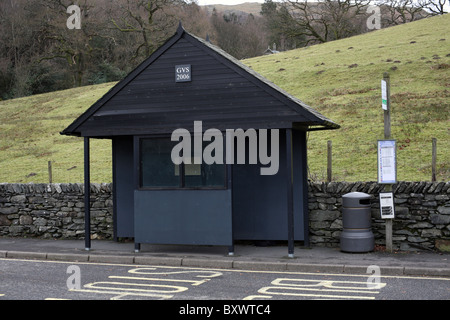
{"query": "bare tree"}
(240, 35)
(19, 45)
(253, 38)
(323, 20)
(39, 52)
(150, 19)
(194, 18)
(76, 47)
(280, 26)
(227, 32)
(435, 7)
(395, 12)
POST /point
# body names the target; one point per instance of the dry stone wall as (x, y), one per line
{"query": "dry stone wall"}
(54, 210)
(422, 212)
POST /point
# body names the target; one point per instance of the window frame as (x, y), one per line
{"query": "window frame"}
(139, 172)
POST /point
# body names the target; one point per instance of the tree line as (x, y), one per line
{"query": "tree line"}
(40, 53)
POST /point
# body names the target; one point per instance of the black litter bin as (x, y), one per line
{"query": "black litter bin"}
(357, 235)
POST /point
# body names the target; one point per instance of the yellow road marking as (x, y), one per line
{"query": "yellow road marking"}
(265, 290)
(120, 294)
(330, 289)
(330, 284)
(311, 289)
(256, 297)
(143, 270)
(193, 282)
(170, 289)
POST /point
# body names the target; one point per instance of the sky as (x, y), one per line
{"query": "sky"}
(230, 2)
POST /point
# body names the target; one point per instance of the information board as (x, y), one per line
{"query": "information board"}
(387, 164)
(387, 205)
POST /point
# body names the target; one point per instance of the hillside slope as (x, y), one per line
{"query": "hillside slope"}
(29, 138)
(341, 79)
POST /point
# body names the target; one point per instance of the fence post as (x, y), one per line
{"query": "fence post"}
(433, 159)
(50, 174)
(329, 161)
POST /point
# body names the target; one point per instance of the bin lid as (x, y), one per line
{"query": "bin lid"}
(356, 199)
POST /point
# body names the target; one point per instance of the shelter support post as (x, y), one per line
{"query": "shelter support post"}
(231, 250)
(290, 193)
(87, 196)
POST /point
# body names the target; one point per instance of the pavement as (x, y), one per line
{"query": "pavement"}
(246, 257)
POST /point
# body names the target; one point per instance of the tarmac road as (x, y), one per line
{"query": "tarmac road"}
(22, 279)
(248, 257)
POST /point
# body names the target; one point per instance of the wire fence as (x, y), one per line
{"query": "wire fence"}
(332, 164)
(435, 170)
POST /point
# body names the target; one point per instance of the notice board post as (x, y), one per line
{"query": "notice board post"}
(387, 164)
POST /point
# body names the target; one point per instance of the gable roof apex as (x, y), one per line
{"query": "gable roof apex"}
(180, 29)
(303, 115)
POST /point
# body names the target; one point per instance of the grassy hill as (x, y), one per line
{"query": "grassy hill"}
(341, 79)
(29, 138)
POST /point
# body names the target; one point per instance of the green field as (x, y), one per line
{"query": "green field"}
(340, 79)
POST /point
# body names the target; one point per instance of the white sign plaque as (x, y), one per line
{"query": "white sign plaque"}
(387, 166)
(183, 73)
(383, 95)
(387, 205)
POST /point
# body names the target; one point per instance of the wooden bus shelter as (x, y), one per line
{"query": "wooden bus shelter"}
(159, 202)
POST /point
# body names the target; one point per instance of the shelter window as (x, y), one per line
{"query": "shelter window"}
(157, 169)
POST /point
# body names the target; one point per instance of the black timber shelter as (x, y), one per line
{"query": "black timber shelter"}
(156, 201)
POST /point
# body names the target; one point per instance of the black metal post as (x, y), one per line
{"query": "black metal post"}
(304, 182)
(87, 196)
(290, 193)
(114, 189)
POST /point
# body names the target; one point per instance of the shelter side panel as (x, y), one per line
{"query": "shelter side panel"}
(260, 202)
(200, 217)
